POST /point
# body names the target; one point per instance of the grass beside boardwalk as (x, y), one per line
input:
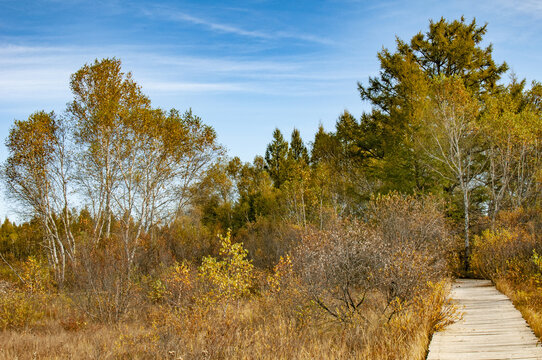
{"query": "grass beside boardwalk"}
(509, 255)
(527, 298)
(266, 327)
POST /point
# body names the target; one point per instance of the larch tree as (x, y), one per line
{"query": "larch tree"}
(387, 136)
(298, 174)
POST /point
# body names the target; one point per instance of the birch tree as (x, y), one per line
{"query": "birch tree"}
(512, 125)
(136, 164)
(452, 143)
(104, 99)
(36, 174)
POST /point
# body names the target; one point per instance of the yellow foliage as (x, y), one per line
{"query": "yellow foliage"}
(281, 272)
(173, 285)
(231, 278)
(537, 260)
(37, 278)
(491, 253)
(157, 290)
(18, 309)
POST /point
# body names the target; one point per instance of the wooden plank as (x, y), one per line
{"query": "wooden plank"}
(490, 328)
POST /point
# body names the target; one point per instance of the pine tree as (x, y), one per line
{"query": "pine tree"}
(276, 158)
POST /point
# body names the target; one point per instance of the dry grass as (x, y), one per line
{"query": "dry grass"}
(275, 326)
(390, 270)
(527, 298)
(57, 343)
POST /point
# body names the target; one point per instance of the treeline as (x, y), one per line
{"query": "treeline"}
(361, 225)
(443, 122)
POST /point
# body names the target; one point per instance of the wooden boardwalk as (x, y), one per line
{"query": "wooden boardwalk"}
(491, 328)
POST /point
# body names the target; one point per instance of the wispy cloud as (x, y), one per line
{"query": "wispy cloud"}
(179, 16)
(531, 7)
(41, 73)
(162, 86)
(173, 15)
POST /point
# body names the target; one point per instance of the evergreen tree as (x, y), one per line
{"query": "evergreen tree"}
(385, 139)
(298, 151)
(276, 158)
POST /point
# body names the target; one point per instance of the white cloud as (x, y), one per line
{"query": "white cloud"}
(231, 29)
(32, 72)
(531, 7)
(217, 26)
(168, 87)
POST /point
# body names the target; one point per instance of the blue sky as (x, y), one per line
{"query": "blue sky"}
(245, 67)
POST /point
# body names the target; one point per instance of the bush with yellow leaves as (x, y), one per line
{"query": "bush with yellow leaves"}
(502, 253)
(231, 277)
(22, 307)
(282, 272)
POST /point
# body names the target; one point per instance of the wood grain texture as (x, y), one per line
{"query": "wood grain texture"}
(490, 328)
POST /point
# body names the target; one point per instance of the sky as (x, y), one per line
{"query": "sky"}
(245, 67)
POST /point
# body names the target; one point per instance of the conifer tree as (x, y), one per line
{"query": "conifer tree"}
(276, 157)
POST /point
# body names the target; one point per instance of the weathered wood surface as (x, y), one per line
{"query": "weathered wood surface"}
(490, 328)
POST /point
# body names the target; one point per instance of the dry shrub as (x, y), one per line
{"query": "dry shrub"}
(257, 329)
(527, 298)
(277, 323)
(19, 309)
(527, 220)
(502, 252)
(507, 250)
(103, 285)
(267, 240)
(390, 259)
(283, 325)
(186, 239)
(339, 268)
(175, 286)
(509, 255)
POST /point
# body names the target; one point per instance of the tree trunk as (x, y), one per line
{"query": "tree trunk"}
(467, 225)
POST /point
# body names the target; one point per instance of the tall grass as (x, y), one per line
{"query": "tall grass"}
(366, 290)
(266, 327)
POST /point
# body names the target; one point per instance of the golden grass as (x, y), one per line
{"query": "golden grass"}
(527, 298)
(264, 327)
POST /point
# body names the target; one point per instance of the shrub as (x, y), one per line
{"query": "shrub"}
(502, 253)
(394, 256)
(174, 286)
(36, 276)
(103, 285)
(282, 272)
(19, 309)
(231, 277)
(267, 240)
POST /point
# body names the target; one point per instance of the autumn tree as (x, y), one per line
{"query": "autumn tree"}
(452, 142)
(104, 99)
(215, 194)
(295, 188)
(36, 174)
(386, 137)
(230, 277)
(298, 151)
(512, 127)
(136, 164)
